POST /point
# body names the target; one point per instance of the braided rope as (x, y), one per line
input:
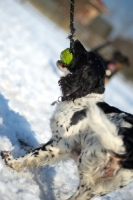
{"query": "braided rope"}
(72, 29)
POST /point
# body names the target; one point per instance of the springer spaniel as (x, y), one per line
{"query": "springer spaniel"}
(97, 136)
(114, 64)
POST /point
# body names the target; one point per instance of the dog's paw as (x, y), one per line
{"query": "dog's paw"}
(15, 163)
(6, 155)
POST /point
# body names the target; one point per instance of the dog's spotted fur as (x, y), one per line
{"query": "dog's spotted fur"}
(97, 136)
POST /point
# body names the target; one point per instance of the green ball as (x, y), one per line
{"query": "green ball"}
(66, 56)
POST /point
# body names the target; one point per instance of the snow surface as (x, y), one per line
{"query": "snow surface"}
(30, 44)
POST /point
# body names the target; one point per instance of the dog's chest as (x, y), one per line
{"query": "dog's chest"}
(67, 119)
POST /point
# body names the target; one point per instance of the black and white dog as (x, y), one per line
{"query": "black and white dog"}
(97, 136)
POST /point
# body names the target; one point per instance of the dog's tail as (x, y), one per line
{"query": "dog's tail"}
(105, 129)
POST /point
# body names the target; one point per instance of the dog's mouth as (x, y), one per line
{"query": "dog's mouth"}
(78, 49)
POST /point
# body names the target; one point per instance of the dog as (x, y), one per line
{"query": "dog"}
(97, 136)
(113, 65)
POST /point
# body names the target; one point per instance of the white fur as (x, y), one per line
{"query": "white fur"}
(106, 130)
(95, 136)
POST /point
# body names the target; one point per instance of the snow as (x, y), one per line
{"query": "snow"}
(30, 44)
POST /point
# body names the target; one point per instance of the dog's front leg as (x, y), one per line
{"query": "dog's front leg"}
(47, 154)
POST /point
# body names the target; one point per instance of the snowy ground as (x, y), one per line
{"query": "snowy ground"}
(30, 44)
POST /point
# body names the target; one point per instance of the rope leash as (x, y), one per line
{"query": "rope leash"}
(66, 56)
(72, 29)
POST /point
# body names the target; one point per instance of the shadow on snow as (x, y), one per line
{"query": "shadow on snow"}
(16, 128)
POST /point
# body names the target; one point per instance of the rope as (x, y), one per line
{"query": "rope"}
(72, 29)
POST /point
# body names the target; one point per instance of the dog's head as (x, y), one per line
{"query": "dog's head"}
(85, 74)
(118, 57)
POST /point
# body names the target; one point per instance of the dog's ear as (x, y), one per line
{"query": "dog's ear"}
(85, 80)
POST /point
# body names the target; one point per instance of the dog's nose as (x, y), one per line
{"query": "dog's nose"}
(61, 66)
(59, 63)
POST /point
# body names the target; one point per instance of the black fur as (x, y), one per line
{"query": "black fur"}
(97, 136)
(126, 133)
(78, 116)
(87, 75)
(108, 109)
